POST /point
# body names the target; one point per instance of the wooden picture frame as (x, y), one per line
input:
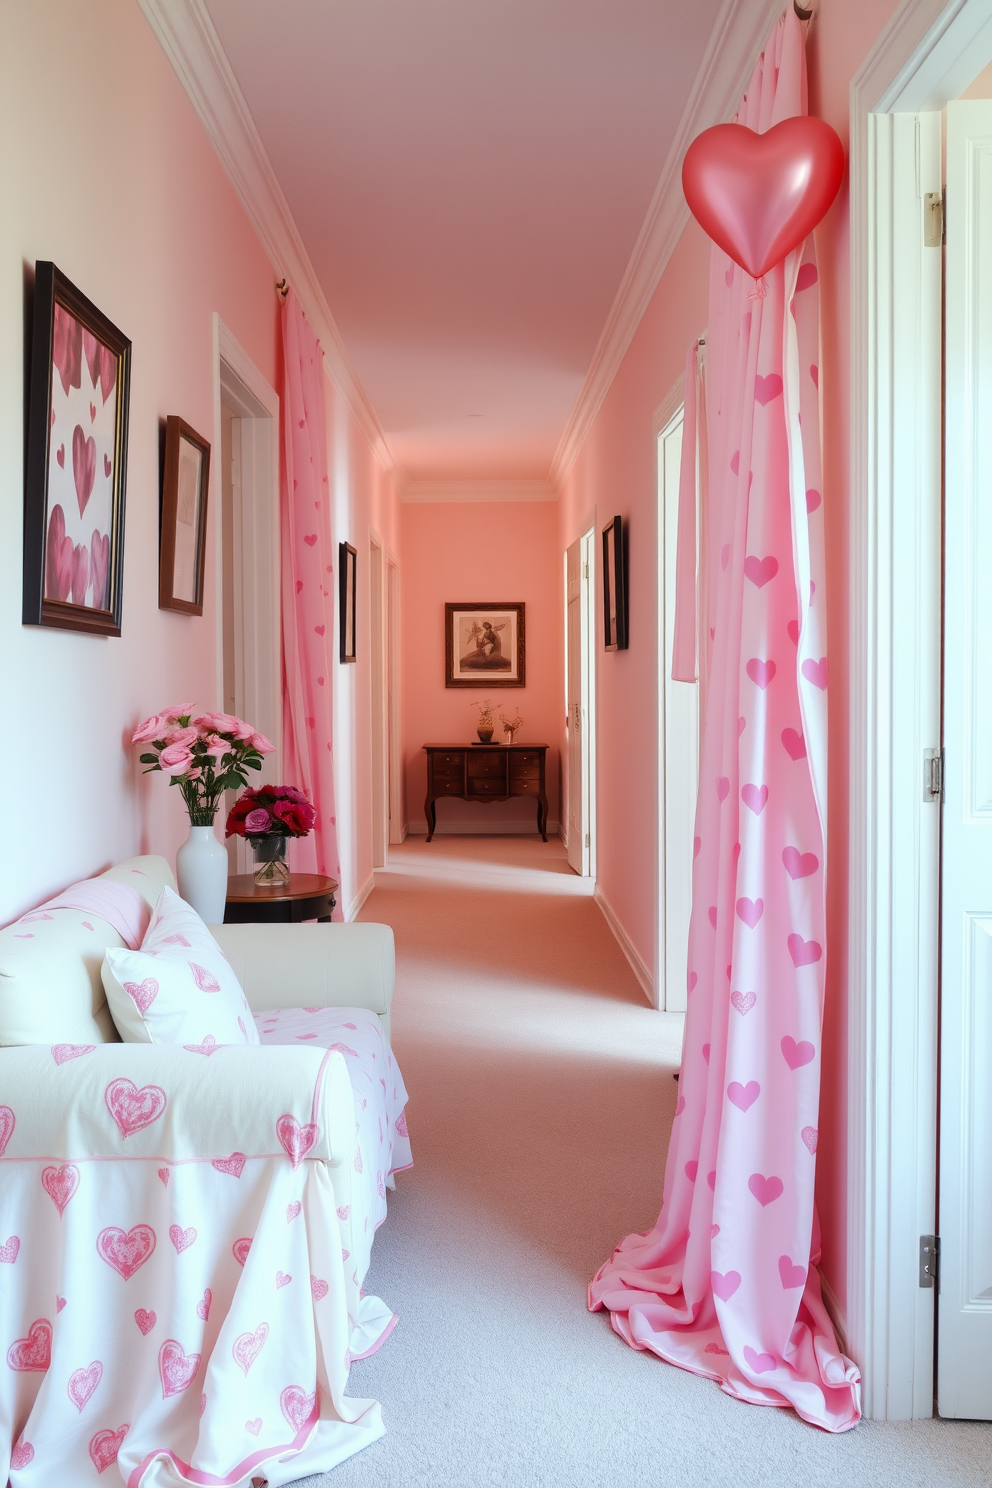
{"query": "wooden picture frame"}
(75, 461)
(485, 645)
(616, 635)
(183, 537)
(347, 593)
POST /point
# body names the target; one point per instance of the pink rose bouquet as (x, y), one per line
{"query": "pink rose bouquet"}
(205, 756)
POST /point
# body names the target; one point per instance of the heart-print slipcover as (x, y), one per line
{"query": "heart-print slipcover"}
(180, 1289)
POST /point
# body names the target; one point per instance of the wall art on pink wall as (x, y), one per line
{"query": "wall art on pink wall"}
(76, 462)
(615, 628)
(183, 539)
(484, 643)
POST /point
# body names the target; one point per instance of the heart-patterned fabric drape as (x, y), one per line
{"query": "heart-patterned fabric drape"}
(726, 1283)
(307, 590)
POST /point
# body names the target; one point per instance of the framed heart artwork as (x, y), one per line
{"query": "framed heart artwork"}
(76, 462)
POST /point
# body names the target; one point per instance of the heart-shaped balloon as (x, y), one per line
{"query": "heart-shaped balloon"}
(759, 195)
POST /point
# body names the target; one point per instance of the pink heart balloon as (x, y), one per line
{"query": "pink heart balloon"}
(759, 195)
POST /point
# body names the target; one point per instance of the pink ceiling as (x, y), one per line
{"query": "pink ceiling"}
(469, 178)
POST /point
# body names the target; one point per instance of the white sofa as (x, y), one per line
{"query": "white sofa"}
(182, 1299)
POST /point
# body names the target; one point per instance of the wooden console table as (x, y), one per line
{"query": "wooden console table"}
(486, 772)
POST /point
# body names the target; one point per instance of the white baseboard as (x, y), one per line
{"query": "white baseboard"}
(637, 966)
(360, 898)
(477, 829)
(835, 1311)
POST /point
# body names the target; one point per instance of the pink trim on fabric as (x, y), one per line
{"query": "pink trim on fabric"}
(357, 1358)
(404, 1169)
(210, 1480)
(318, 1085)
(160, 1157)
(122, 907)
(684, 639)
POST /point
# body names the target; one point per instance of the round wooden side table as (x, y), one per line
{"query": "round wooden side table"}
(307, 896)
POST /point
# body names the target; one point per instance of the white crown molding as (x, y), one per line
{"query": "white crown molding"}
(478, 490)
(188, 38)
(740, 32)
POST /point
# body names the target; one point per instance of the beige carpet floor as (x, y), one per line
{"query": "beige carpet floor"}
(541, 1097)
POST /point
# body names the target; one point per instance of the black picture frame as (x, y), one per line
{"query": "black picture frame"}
(183, 536)
(616, 629)
(347, 589)
(77, 417)
(472, 661)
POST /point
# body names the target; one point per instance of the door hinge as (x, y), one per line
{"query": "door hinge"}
(933, 774)
(585, 570)
(588, 842)
(934, 212)
(930, 1261)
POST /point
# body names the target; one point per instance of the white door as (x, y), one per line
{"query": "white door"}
(964, 1346)
(580, 781)
(573, 708)
(678, 753)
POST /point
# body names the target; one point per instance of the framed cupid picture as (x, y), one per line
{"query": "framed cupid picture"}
(76, 462)
(615, 586)
(184, 519)
(347, 559)
(484, 644)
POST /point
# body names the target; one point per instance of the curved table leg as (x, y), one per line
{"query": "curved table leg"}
(542, 816)
(431, 814)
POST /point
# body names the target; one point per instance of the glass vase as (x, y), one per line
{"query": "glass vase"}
(271, 867)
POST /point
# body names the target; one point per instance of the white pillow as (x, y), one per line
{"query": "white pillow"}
(179, 988)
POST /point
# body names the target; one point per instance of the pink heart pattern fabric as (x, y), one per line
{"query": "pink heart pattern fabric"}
(179, 1364)
(177, 988)
(757, 940)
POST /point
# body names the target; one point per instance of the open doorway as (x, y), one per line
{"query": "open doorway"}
(246, 422)
(580, 706)
(678, 746)
(387, 813)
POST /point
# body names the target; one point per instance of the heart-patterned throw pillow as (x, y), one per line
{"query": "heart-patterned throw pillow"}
(178, 988)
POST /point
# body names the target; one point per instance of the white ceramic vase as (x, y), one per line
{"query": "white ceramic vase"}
(201, 869)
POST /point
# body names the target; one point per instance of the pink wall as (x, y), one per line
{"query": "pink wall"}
(479, 551)
(117, 182)
(616, 472)
(107, 171)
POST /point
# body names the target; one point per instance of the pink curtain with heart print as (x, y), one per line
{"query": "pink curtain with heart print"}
(307, 590)
(726, 1283)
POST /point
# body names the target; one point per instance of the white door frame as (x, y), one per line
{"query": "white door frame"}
(397, 815)
(240, 385)
(378, 631)
(589, 617)
(926, 55)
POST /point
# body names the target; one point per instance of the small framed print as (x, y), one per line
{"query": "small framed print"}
(76, 462)
(347, 577)
(615, 629)
(183, 541)
(484, 645)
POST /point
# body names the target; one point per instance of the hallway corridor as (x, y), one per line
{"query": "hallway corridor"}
(540, 1103)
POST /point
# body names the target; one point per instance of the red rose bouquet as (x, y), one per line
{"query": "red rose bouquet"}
(271, 811)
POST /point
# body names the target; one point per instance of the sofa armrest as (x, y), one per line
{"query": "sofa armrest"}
(173, 1103)
(312, 965)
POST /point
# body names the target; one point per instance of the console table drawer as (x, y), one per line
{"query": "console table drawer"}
(525, 787)
(485, 787)
(448, 787)
(449, 772)
(521, 760)
(446, 763)
(486, 764)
